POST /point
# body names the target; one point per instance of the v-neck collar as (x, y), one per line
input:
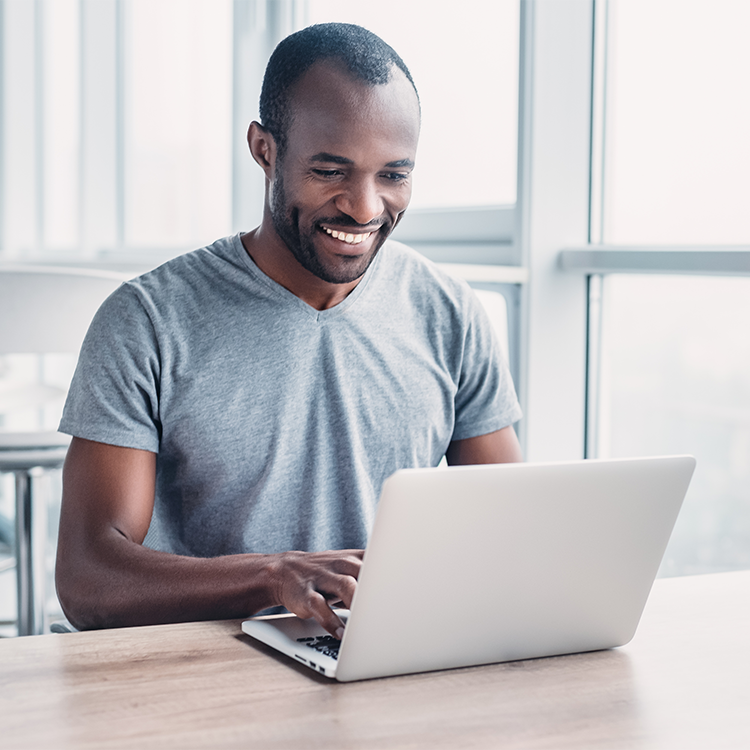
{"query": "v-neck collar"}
(282, 292)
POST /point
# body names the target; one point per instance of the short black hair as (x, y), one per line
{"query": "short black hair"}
(366, 56)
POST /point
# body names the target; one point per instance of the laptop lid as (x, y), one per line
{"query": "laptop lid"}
(480, 564)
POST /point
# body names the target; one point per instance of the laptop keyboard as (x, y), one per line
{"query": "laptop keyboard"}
(325, 644)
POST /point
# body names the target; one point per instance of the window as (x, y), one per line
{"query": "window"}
(117, 126)
(177, 120)
(677, 155)
(675, 378)
(60, 145)
(668, 368)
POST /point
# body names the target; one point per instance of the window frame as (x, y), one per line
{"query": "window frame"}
(593, 260)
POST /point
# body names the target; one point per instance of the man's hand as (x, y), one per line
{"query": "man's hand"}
(306, 582)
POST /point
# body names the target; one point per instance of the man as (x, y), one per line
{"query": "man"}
(236, 411)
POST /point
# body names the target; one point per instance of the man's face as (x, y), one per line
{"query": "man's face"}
(345, 178)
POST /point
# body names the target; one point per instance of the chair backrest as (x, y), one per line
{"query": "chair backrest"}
(497, 311)
(47, 309)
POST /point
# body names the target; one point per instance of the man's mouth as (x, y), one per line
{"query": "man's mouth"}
(350, 238)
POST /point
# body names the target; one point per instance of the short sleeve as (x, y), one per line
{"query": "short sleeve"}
(114, 395)
(485, 399)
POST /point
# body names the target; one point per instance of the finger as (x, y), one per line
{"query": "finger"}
(339, 588)
(358, 553)
(349, 564)
(325, 616)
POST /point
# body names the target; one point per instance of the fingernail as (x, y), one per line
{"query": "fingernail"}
(340, 633)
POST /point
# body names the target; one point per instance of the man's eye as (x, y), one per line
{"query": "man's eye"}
(396, 176)
(327, 172)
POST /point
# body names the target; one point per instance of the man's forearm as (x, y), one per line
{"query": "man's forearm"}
(120, 583)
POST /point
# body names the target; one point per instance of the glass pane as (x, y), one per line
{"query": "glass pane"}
(20, 167)
(677, 119)
(676, 379)
(61, 120)
(178, 113)
(464, 60)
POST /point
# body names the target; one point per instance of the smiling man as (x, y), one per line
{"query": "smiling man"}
(236, 411)
(339, 174)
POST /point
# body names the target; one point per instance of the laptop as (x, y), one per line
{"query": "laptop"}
(473, 565)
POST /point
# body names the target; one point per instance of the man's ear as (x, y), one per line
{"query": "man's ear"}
(263, 148)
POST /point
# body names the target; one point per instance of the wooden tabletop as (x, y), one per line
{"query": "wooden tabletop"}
(683, 682)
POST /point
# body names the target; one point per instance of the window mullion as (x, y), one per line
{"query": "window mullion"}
(704, 260)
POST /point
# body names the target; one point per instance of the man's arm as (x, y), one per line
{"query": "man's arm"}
(107, 578)
(494, 448)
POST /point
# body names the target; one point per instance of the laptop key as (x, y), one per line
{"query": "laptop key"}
(325, 644)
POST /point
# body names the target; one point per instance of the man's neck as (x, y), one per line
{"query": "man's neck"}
(271, 255)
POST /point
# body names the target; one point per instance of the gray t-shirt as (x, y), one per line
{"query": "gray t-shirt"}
(276, 424)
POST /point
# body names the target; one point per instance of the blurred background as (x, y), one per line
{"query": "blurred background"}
(551, 129)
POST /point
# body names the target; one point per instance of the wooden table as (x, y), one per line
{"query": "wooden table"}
(683, 682)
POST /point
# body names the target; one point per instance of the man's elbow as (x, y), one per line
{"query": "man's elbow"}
(83, 596)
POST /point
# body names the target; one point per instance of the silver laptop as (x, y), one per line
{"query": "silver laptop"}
(480, 564)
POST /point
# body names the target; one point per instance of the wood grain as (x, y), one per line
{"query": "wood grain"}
(682, 683)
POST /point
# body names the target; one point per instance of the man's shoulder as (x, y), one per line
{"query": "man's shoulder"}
(220, 255)
(401, 257)
(180, 288)
(407, 266)
(398, 252)
(195, 275)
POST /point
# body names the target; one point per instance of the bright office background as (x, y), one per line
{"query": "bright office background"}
(122, 143)
(146, 159)
(675, 350)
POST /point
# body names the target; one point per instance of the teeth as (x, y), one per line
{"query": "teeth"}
(350, 239)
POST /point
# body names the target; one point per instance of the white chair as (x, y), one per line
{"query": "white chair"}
(496, 307)
(43, 310)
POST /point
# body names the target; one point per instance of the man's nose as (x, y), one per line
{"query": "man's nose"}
(362, 201)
